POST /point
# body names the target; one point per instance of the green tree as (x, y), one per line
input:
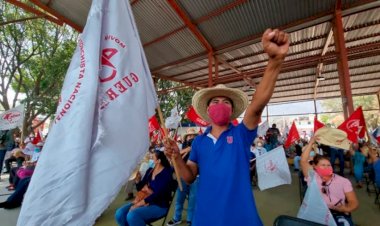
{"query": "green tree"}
(179, 99)
(35, 55)
(369, 105)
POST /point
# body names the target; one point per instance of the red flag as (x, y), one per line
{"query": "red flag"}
(194, 117)
(354, 126)
(153, 124)
(293, 136)
(37, 139)
(317, 124)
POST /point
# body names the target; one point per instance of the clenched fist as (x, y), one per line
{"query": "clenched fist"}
(275, 43)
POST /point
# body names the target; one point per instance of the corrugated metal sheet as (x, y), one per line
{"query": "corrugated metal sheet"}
(252, 18)
(177, 46)
(74, 10)
(156, 18)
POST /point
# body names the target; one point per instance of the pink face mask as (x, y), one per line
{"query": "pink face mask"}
(324, 172)
(220, 114)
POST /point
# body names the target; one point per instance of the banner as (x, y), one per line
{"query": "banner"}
(313, 206)
(12, 118)
(273, 169)
(153, 124)
(100, 131)
(375, 137)
(263, 128)
(172, 122)
(355, 125)
(194, 117)
(292, 136)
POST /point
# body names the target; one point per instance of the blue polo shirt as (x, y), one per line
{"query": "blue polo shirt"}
(224, 195)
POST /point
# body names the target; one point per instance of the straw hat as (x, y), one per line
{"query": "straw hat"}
(189, 131)
(332, 137)
(202, 97)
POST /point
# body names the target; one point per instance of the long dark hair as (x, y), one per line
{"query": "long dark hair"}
(161, 156)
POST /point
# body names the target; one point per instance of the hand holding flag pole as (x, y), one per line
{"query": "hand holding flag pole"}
(166, 137)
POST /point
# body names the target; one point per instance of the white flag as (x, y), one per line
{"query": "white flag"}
(263, 128)
(313, 206)
(173, 121)
(273, 169)
(12, 118)
(101, 126)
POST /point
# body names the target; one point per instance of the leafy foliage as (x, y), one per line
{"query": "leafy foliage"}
(179, 99)
(35, 55)
(369, 105)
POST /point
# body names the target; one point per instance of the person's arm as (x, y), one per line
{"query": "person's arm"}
(185, 151)
(351, 205)
(305, 166)
(276, 45)
(188, 171)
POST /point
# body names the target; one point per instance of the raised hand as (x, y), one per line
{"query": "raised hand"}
(171, 149)
(275, 43)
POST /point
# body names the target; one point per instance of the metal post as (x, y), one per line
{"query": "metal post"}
(342, 63)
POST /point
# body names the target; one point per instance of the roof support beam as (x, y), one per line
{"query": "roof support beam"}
(190, 25)
(311, 61)
(193, 28)
(34, 11)
(174, 80)
(20, 20)
(58, 15)
(342, 62)
(313, 20)
(217, 12)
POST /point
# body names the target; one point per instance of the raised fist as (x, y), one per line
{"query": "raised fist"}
(275, 43)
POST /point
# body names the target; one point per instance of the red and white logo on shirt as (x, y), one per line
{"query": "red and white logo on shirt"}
(230, 139)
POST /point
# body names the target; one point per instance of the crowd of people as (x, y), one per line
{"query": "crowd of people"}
(217, 167)
(25, 154)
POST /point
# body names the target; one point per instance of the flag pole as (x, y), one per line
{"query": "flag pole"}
(166, 137)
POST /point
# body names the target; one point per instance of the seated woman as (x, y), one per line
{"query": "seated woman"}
(336, 191)
(157, 183)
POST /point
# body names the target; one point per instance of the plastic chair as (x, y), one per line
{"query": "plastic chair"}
(283, 220)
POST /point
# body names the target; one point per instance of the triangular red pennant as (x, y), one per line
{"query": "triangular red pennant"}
(292, 136)
(317, 124)
(355, 125)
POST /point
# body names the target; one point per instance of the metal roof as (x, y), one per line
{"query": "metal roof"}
(232, 29)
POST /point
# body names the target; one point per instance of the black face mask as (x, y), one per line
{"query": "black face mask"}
(188, 142)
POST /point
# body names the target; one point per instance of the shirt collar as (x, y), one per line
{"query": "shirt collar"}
(208, 130)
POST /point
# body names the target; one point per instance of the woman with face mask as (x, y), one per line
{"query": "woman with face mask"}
(336, 191)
